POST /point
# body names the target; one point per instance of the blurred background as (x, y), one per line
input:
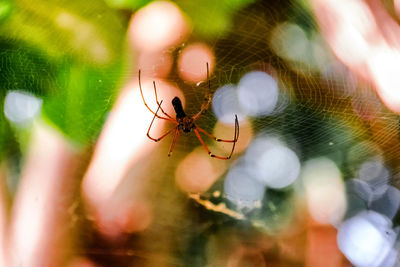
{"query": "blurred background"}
(314, 177)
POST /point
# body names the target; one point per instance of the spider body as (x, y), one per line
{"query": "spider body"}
(185, 123)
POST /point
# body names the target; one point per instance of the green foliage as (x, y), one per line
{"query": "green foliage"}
(212, 18)
(86, 93)
(6, 8)
(127, 4)
(67, 52)
(7, 140)
(21, 68)
(25, 68)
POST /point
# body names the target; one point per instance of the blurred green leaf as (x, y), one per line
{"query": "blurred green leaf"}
(7, 138)
(212, 18)
(91, 33)
(69, 52)
(24, 68)
(127, 4)
(6, 8)
(79, 109)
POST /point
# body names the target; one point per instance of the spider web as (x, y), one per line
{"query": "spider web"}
(315, 112)
(320, 113)
(324, 111)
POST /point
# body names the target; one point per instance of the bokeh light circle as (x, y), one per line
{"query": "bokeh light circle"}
(325, 192)
(20, 107)
(158, 25)
(241, 188)
(196, 173)
(192, 62)
(225, 104)
(257, 93)
(277, 167)
(376, 175)
(366, 239)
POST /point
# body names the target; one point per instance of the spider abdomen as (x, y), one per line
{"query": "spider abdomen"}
(177, 104)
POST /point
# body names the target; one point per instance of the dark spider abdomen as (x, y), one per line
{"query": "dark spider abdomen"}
(177, 104)
(185, 123)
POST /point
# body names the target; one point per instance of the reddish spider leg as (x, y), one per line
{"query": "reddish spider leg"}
(162, 136)
(215, 138)
(176, 134)
(144, 101)
(155, 92)
(207, 98)
(235, 138)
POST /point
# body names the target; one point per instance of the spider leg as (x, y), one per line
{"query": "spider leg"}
(208, 150)
(207, 98)
(235, 138)
(144, 101)
(176, 135)
(162, 136)
(215, 138)
(223, 140)
(162, 110)
(236, 127)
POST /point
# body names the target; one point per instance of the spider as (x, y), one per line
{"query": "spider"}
(185, 123)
